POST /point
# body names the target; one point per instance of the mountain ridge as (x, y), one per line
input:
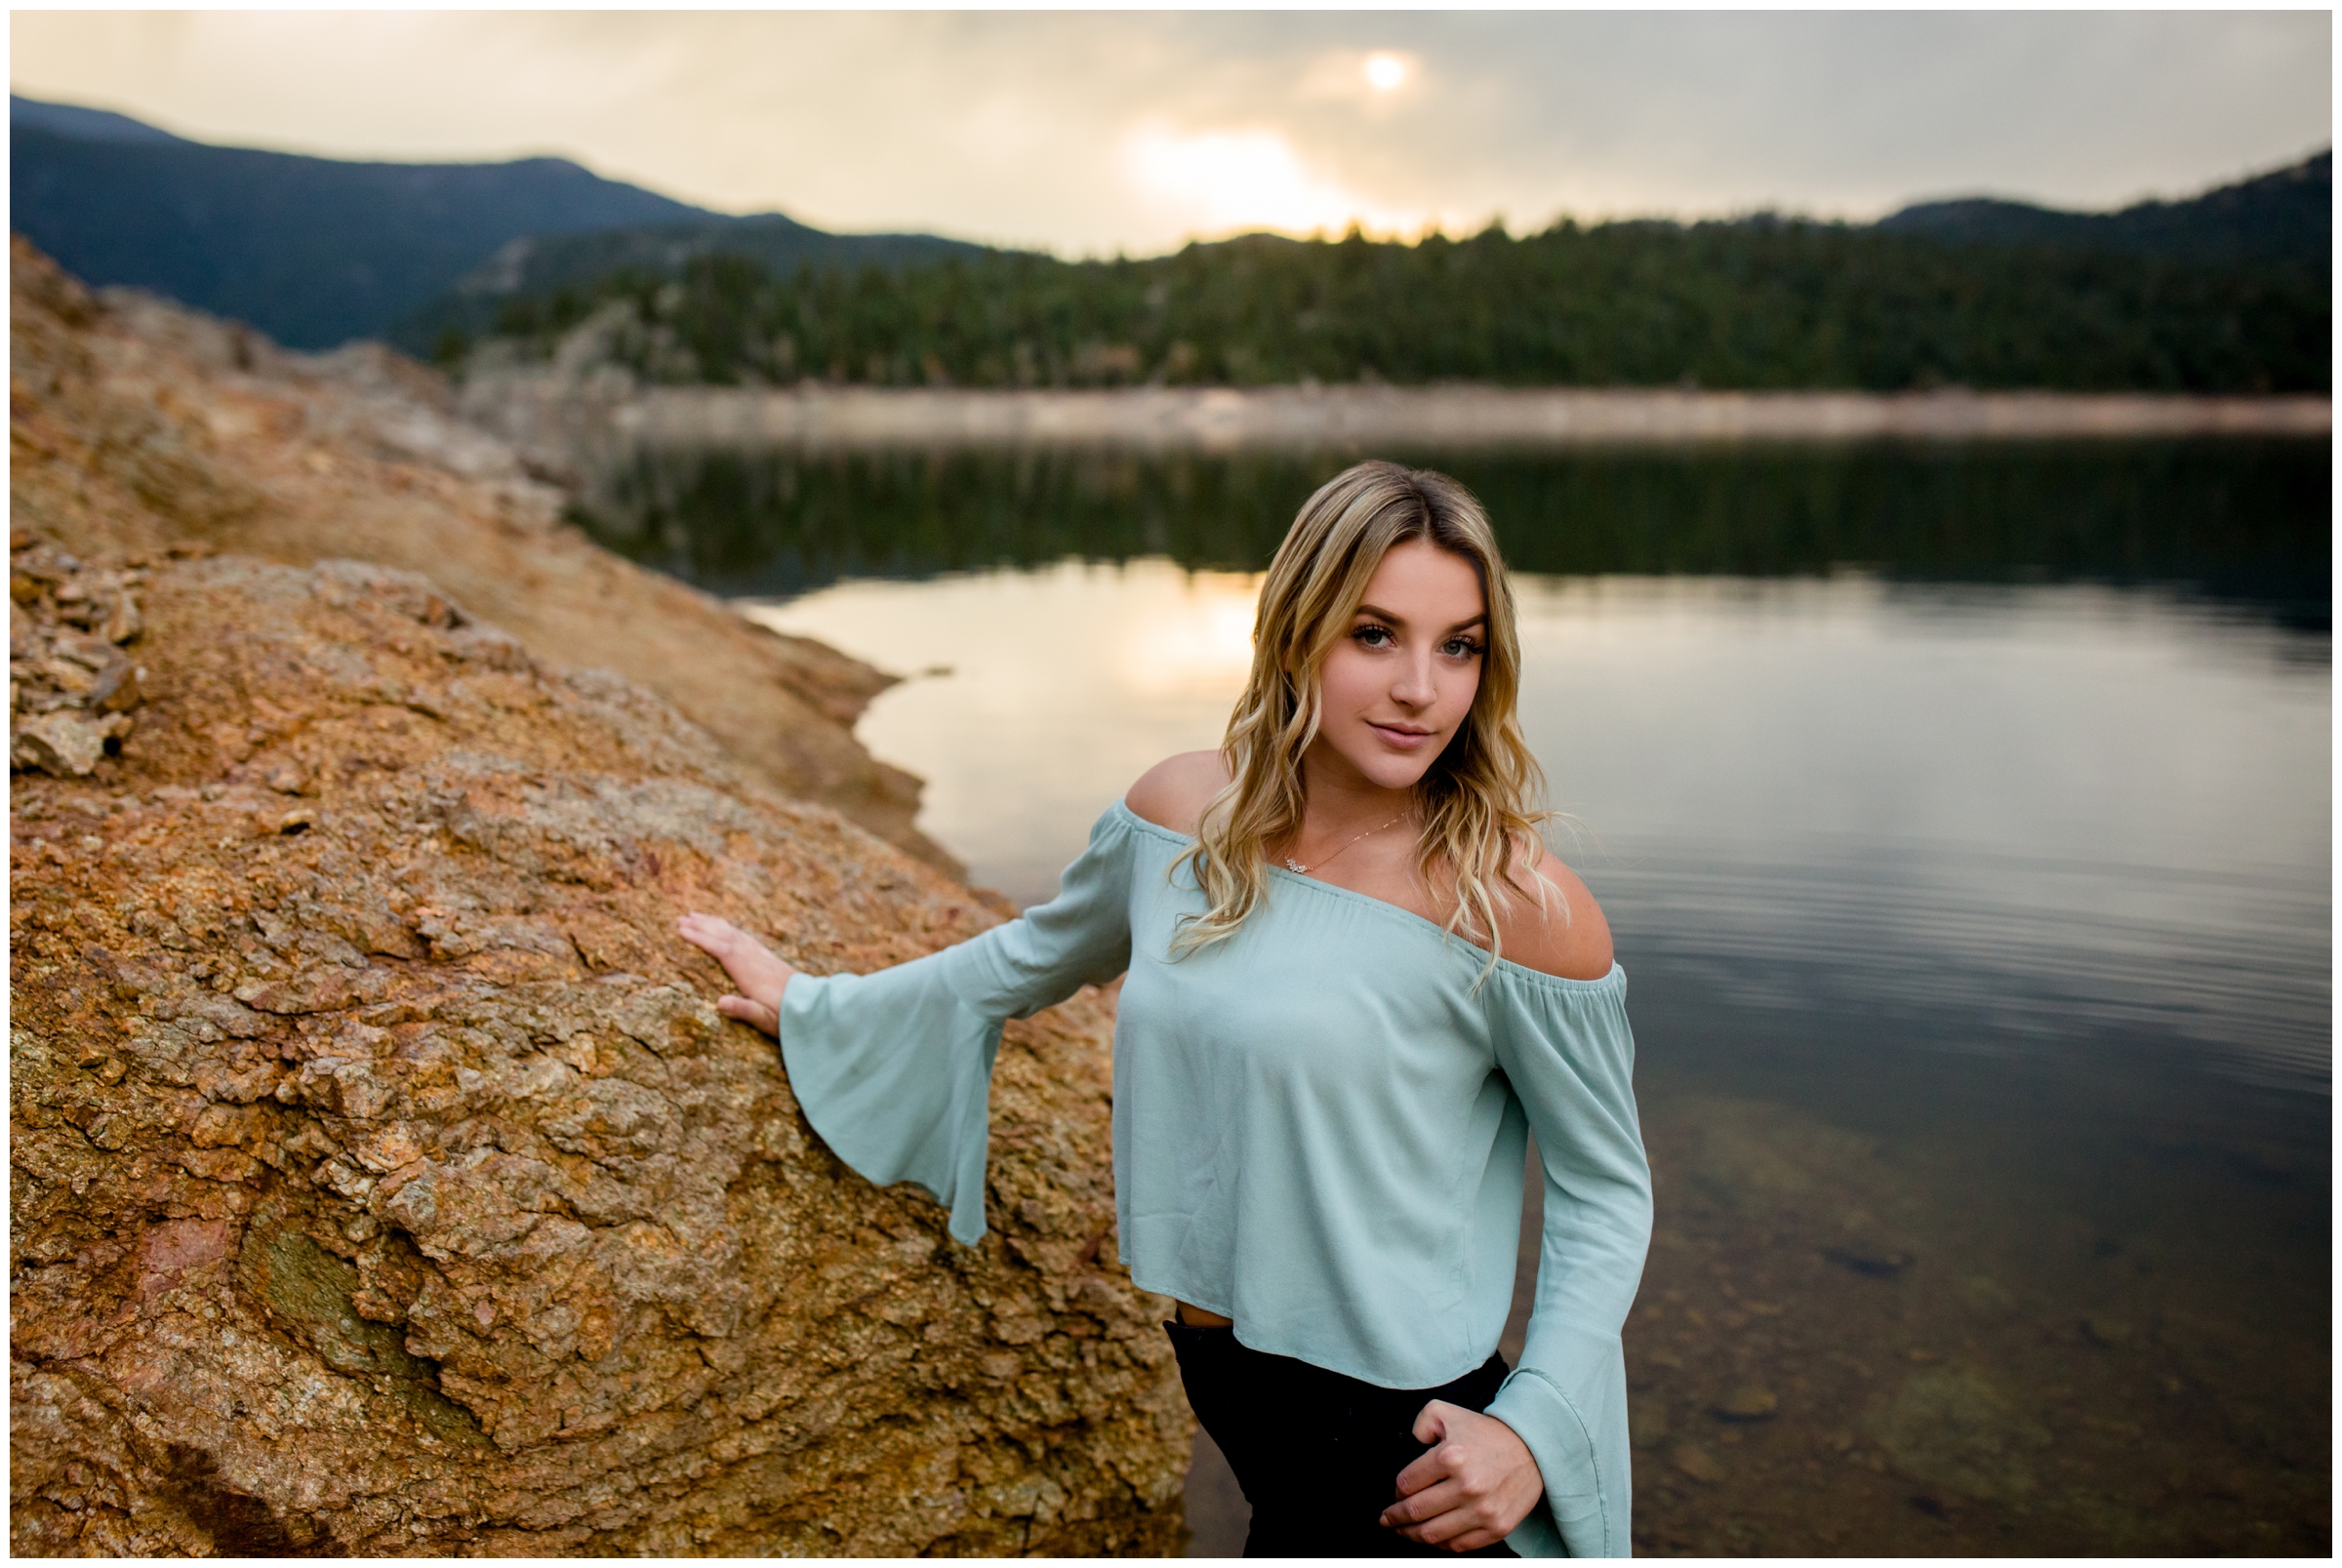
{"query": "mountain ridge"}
(2286, 213)
(316, 251)
(80, 120)
(313, 251)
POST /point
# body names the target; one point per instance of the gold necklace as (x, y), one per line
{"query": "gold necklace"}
(1369, 834)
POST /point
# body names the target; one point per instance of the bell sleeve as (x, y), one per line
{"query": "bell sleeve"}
(894, 1069)
(1570, 1057)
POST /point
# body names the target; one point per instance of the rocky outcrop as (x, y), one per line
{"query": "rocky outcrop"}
(137, 427)
(384, 1181)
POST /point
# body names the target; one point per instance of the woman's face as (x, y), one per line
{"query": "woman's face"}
(1394, 691)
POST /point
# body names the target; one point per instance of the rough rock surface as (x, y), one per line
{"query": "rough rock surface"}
(137, 427)
(382, 1179)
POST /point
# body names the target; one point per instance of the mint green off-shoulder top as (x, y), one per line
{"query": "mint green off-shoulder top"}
(1318, 1132)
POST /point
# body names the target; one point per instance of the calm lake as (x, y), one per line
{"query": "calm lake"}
(1963, 816)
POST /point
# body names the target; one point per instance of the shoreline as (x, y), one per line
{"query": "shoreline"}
(1224, 419)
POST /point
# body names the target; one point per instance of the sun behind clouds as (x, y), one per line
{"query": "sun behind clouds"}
(1387, 72)
(1225, 182)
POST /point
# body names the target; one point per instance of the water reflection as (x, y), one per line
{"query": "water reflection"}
(2236, 520)
(2008, 825)
(1977, 895)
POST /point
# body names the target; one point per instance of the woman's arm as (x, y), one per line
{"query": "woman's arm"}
(894, 1069)
(1480, 1480)
(1566, 1049)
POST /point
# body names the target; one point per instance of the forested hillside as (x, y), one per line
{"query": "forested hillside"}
(1755, 304)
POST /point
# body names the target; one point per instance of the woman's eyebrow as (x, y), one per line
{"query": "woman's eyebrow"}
(1380, 614)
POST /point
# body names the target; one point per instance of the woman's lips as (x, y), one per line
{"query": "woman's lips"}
(1403, 740)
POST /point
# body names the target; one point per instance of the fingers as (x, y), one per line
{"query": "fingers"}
(753, 967)
(1431, 1426)
(1458, 1529)
(1475, 1485)
(750, 1012)
(702, 932)
(1449, 1530)
(708, 932)
(1425, 1470)
(718, 935)
(1426, 1505)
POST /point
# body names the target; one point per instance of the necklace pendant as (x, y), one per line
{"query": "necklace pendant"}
(1297, 866)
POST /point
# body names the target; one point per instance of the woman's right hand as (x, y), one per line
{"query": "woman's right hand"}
(761, 973)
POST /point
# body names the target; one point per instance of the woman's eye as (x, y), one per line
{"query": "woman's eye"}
(1373, 636)
(1463, 648)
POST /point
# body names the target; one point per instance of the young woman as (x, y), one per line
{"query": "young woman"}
(1356, 981)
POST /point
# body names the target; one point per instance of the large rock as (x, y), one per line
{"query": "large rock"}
(384, 1181)
(137, 427)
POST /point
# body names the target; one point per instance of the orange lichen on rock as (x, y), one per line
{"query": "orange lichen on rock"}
(384, 1179)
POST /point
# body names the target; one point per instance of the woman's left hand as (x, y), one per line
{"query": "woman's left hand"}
(1475, 1485)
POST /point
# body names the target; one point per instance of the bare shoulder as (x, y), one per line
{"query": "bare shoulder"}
(1570, 937)
(1175, 790)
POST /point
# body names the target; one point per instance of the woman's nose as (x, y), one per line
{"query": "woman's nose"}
(1414, 685)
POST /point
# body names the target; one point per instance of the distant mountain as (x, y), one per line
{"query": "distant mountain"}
(540, 266)
(311, 251)
(2284, 215)
(91, 125)
(317, 251)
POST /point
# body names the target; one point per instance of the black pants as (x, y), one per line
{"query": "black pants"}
(1317, 1454)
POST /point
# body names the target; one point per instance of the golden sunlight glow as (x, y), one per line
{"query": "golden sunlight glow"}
(1044, 692)
(1196, 640)
(1225, 182)
(1386, 72)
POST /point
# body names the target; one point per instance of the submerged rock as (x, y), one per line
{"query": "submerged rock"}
(1750, 1156)
(1747, 1401)
(1872, 1259)
(1695, 1463)
(1988, 1298)
(2108, 1332)
(1648, 1424)
(1950, 1427)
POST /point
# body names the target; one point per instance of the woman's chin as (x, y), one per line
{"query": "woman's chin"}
(1386, 771)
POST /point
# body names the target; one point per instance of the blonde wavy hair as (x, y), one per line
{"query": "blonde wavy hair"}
(1477, 802)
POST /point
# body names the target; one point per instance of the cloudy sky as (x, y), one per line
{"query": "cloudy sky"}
(1087, 133)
